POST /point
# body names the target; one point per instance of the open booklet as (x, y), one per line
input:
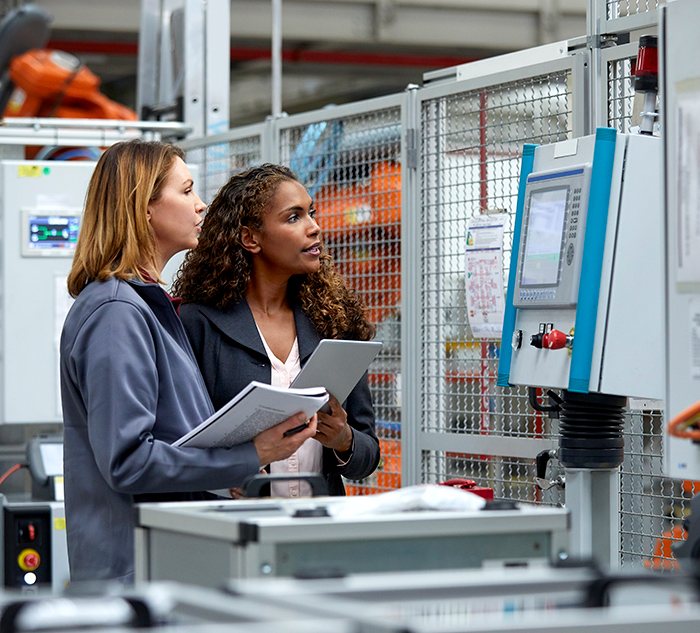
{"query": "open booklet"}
(254, 409)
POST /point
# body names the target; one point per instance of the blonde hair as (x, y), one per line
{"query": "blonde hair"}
(115, 237)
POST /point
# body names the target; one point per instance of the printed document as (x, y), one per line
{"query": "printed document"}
(254, 409)
(483, 262)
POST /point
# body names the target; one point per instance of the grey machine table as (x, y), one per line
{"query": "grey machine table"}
(164, 607)
(208, 542)
(536, 598)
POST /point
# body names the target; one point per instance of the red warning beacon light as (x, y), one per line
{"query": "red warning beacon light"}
(646, 80)
(646, 69)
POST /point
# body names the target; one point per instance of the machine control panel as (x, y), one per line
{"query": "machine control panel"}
(551, 245)
(50, 233)
(27, 546)
(572, 313)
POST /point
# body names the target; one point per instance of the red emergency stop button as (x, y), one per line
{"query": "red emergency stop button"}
(555, 339)
(28, 559)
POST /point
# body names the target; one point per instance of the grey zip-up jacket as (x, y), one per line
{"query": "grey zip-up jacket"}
(130, 386)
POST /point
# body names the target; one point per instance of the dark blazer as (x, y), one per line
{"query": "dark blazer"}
(230, 354)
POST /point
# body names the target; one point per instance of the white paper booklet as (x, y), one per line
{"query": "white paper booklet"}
(253, 410)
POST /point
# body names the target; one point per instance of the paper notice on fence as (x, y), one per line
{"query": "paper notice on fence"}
(255, 409)
(483, 264)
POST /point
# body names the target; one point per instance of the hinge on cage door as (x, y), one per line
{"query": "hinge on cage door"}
(412, 148)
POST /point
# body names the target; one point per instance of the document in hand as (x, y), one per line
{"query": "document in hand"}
(253, 410)
(337, 365)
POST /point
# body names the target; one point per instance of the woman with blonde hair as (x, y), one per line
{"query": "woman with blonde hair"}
(130, 385)
(259, 294)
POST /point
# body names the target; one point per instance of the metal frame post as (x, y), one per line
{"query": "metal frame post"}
(203, 87)
(595, 17)
(217, 65)
(276, 58)
(410, 290)
(593, 498)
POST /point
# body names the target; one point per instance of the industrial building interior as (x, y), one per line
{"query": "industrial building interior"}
(333, 52)
(511, 189)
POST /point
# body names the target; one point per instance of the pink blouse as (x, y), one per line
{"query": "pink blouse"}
(309, 457)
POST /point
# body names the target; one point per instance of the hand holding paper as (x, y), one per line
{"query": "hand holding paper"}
(253, 410)
(333, 428)
(273, 445)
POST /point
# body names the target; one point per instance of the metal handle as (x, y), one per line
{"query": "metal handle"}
(18, 616)
(598, 591)
(541, 461)
(253, 485)
(555, 402)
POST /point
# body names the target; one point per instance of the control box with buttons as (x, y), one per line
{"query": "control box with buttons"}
(34, 545)
(587, 252)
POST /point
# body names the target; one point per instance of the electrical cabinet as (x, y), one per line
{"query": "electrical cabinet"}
(587, 253)
(41, 208)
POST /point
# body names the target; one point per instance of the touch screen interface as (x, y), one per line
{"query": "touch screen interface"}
(49, 232)
(544, 237)
(52, 457)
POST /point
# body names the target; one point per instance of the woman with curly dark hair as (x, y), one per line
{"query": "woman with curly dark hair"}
(259, 293)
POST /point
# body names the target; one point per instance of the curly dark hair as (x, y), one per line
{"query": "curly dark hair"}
(217, 272)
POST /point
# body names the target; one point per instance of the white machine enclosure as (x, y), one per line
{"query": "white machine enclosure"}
(36, 196)
(34, 299)
(628, 350)
(681, 104)
(209, 542)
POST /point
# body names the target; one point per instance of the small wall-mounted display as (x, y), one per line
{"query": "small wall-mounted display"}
(49, 233)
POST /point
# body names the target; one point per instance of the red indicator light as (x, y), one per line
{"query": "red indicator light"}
(646, 69)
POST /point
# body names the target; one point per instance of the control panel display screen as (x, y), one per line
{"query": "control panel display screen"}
(543, 241)
(52, 232)
(52, 457)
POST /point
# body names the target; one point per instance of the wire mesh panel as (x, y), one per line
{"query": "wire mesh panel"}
(349, 160)
(626, 8)
(471, 150)
(652, 506)
(618, 16)
(218, 159)
(508, 477)
(620, 94)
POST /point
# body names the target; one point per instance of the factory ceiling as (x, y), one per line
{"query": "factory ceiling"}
(334, 51)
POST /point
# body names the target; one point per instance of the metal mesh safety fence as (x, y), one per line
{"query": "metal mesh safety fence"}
(471, 148)
(626, 8)
(351, 166)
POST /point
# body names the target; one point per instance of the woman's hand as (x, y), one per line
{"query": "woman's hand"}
(273, 445)
(333, 428)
